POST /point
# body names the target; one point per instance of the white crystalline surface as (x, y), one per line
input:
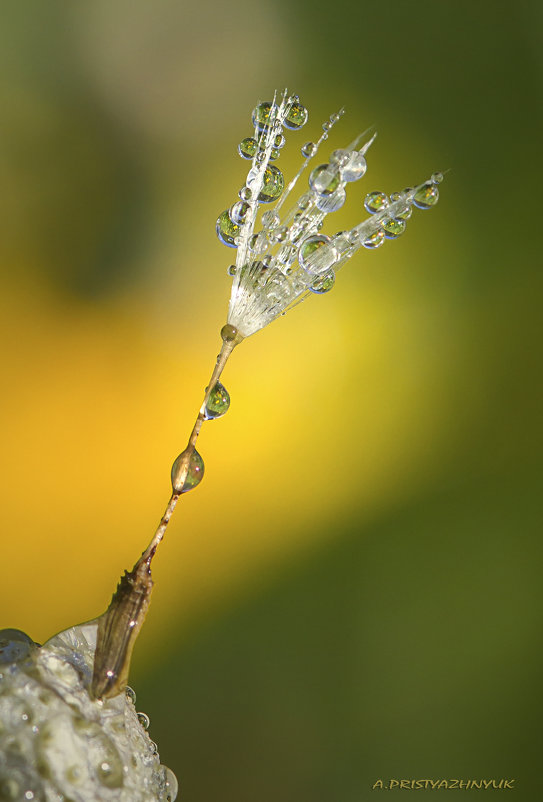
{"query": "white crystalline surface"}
(59, 745)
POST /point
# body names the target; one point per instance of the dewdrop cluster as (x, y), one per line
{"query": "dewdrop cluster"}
(282, 254)
(57, 743)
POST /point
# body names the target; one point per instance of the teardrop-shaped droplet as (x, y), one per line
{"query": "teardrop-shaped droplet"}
(375, 240)
(296, 116)
(247, 147)
(355, 167)
(262, 116)
(324, 179)
(333, 202)
(227, 231)
(426, 196)
(375, 202)
(437, 178)
(274, 154)
(323, 283)
(273, 184)
(394, 227)
(193, 475)
(217, 403)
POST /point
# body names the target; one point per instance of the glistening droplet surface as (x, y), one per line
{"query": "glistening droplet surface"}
(193, 473)
(375, 240)
(426, 196)
(323, 283)
(218, 402)
(296, 117)
(394, 228)
(227, 231)
(324, 179)
(316, 254)
(262, 116)
(247, 147)
(375, 202)
(273, 184)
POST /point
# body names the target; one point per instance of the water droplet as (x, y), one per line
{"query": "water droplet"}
(333, 202)
(375, 202)
(334, 118)
(375, 240)
(270, 219)
(238, 212)
(296, 116)
(262, 116)
(130, 694)
(437, 178)
(309, 149)
(217, 403)
(355, 167)
(316, 255)
(305, 201)
(193, 475)
(247, 147)
(326, 126)
(144, 719)
(260, 157)
(227, 231)
(324, 179)
(274, 154)
(245, 194)
(15, 645)
(273, 184)
(172, 787)
(279, 141)
(426, 196)
(394, 227)
(323, 283)
(231, 270)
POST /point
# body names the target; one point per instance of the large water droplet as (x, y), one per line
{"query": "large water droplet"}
(375, 202)
(273, 184)
(296, 116)
(323, 283)
(247, 147)
(394, 227)
(217, 403)
(316, 255)
(262, 116)
(227, 231)
(374, 240)
(238, 212)
(194, 473)
(355, 167)
(426, 196)
(324, 179)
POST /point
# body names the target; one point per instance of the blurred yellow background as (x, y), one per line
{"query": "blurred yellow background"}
(353, 591)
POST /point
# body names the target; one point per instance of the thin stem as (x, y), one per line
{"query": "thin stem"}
(226, 349)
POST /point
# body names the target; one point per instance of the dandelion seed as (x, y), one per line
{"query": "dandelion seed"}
(285, 258)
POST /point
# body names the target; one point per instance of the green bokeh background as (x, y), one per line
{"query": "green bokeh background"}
(401, 643)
